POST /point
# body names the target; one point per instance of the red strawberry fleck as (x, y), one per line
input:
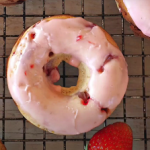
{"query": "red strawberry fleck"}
(91, 26)
(79, 38)
(25, 73)
(34, 25)
(91, 42)
(85, 98)
(107, 60)
(32, 36)
(85, 102)
(117, 136)
(101, 69)
(14, 53)
(31, 66)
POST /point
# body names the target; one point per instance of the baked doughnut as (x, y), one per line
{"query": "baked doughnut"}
(10, 2)
(2, 147)
(32, 72)
(137, 13)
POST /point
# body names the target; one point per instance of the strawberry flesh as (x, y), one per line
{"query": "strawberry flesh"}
(117, 136)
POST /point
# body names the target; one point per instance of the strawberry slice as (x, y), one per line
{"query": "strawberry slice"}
(117, 136)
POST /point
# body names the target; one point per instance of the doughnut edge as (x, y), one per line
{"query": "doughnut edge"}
(128, 18)
(2, 146)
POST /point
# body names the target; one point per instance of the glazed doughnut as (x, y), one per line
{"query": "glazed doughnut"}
(10, 2)
(32, 72)
(137, 13)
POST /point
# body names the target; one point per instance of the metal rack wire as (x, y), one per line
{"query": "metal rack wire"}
(4, 56)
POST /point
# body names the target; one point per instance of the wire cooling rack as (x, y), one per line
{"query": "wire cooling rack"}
(17, 133)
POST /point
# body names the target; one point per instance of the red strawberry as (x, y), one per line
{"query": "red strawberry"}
(117, 136)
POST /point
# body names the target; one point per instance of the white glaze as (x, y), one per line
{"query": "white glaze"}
(139, 11)
(36, 95)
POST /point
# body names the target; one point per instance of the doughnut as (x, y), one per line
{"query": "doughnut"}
(2, 147)
(137, 13)
(10, 2)
(33, 71)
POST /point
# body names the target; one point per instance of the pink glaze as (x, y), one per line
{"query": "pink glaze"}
(139, 11)
(36, 95)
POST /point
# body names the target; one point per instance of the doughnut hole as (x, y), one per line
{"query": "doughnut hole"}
(69, 79)
(52, 73)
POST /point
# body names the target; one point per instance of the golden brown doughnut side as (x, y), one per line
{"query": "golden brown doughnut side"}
(2, 147)
(11, 2)
(138, 32)
(109, 38)
(127, 16)
(22, 35)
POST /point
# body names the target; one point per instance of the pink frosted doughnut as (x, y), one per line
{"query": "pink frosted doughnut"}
(32, 72)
